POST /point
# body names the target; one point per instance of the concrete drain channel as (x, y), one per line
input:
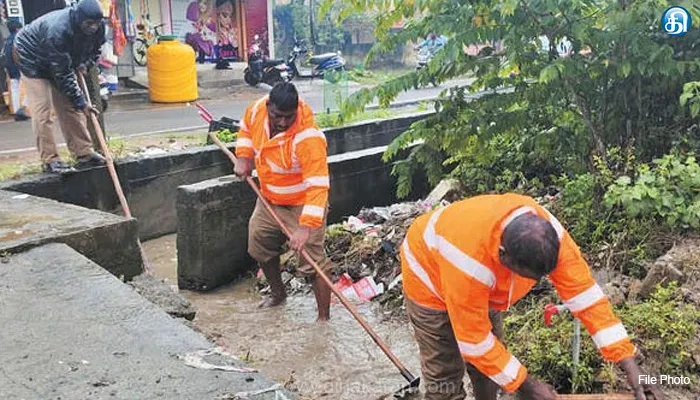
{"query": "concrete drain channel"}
(77, 331)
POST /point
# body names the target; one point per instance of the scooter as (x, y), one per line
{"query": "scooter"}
(321, 63)
(261, 69)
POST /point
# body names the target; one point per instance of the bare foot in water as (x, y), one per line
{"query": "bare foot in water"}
(272, 302)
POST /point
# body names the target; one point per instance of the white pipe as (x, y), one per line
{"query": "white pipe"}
(577, 340)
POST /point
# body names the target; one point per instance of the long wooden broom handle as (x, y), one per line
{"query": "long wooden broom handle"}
(110, 167)
(348, 305)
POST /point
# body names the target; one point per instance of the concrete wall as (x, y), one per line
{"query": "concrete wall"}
(109, 240)
(150, 184)
(213, 215)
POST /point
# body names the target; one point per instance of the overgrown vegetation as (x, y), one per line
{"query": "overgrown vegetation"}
(588, 106)
(664, 328)
(582, 124)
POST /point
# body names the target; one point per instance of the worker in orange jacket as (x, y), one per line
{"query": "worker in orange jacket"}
(279, 135)
(465, 263)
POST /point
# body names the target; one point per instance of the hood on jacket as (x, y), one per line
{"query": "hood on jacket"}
(83, 11)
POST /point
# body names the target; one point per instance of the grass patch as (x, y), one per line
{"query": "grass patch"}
(117, 147)
(16, 170)
(332, 120)
(375, 77)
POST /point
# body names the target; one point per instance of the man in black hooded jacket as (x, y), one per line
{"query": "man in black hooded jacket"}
(49, 50)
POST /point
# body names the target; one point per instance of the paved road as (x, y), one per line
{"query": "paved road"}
(138, 117)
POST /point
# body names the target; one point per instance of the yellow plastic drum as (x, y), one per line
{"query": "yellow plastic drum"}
(172, 72)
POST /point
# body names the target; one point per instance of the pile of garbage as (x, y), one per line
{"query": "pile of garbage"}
(365, 250)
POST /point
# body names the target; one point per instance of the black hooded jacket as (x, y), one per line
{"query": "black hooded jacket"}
(53, 46)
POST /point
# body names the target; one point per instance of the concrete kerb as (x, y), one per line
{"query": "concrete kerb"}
(150, 184)
(109, 240)
(213, 215)
(73, 331)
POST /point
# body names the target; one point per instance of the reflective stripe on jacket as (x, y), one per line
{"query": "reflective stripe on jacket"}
(449, 261)
(293, 165)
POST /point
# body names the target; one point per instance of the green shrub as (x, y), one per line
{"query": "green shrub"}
(664, 329)
(607, 235)
(667, 192)
(226, 136)
(547, 351)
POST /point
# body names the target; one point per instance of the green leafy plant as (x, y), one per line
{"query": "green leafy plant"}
(691, 97)
(610, 237)
(667, 192)
(226, 136)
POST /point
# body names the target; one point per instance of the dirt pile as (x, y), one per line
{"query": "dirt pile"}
(681, 264)
(367, 246)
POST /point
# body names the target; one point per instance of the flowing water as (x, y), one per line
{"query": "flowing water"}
(329, 360)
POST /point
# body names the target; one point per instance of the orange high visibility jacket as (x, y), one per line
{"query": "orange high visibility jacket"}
(293, 165)
(449, 261)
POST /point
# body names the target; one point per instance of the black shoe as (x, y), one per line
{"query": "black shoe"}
(91, 161)
(58, 167)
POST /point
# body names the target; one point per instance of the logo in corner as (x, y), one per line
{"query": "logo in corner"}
(676, 21)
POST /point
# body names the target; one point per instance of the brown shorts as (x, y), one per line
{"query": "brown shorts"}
(441, 363)
(265, 237)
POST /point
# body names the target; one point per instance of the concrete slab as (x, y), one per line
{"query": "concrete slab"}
(72, 331)
(213, 215)
(110, 240)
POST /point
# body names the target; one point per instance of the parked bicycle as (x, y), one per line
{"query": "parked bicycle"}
(147, 37)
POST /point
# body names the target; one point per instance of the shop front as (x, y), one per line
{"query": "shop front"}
(220, 29)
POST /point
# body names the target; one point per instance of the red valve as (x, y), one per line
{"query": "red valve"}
(549, 310)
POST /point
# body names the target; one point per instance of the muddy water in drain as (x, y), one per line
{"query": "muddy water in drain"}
(333, 360)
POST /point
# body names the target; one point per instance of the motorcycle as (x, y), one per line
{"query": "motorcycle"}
(321, 64)
(423, 57)
(262, 69)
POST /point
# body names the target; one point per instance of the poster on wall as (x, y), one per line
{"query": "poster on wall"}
(211, 27)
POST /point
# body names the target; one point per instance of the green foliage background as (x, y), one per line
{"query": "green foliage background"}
(605, 135)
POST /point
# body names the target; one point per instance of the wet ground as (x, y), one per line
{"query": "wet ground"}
(333, 360)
